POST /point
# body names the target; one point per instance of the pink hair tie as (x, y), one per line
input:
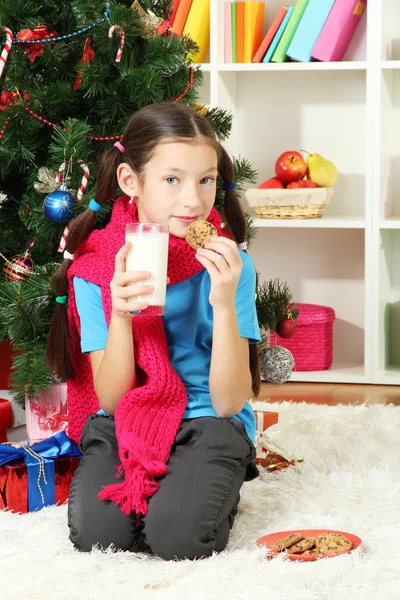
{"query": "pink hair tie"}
(120, 147)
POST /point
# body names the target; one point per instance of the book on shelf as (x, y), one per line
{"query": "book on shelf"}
(280, 54)
(243, 27)
(338, 30)
(181, 16)
(269, 36)
(170, 21)
(233, 17)
(253, 28)
(309, 29)
(228, 32)
(197, 27)
(240, 32)
(278, 36)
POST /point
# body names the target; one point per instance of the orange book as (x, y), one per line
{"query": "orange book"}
(181, 16)
(253, 28)
(265, 44)
(239, 32)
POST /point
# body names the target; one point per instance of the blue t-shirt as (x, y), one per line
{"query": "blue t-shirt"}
(188, 322)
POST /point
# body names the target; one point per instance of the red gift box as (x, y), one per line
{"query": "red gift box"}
(6, 418)
(266, 457)
(14, 483)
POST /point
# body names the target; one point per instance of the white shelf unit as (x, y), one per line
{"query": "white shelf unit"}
(349, 112)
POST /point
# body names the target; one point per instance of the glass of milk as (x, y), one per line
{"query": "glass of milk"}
(149, 252)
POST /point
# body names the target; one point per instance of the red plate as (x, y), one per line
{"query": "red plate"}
(268, 540)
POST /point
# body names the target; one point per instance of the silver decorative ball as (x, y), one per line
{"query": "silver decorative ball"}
(276, 364)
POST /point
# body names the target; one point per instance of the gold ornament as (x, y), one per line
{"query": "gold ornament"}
(148, 21)
(200, 108)
(47, 181)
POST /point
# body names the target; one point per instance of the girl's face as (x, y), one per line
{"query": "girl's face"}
(179, 185)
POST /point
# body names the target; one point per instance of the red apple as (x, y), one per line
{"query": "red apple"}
(290, 166)
(270, 183)
(305, 183)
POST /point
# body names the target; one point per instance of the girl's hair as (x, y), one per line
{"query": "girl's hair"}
(149, 127)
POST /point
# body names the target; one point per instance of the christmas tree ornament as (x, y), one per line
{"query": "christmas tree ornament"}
(84, 180)
(6, 49)
(122, 40)
(27, 38)
(276, 364)
(81, 191)
(59, 206)
(87, 56)
(286, 328)
(48, 181)
(21, 267)
(8, 98)
(149, 22)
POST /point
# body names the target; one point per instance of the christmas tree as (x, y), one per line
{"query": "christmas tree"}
(72, 72)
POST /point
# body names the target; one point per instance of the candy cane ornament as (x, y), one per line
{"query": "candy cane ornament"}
(122, 41)
(6, 49)
(81, 191)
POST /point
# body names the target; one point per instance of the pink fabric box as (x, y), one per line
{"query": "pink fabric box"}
(312, 344)
(338, 30)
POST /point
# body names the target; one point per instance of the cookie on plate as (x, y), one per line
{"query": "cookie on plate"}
(199, 233)
(301, 546)
(332, 543)
(287, 541)
(311, 552)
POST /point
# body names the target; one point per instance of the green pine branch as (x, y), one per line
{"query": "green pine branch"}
(273, 303)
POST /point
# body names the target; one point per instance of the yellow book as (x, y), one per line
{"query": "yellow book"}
(197, 27)
(253, 28)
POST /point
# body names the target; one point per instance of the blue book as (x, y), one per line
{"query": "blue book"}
(278, 35)
(309, 28)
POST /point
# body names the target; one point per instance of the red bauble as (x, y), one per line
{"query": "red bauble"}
(19, 268)
(286, 328)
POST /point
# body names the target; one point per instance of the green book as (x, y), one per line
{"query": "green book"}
(233, 15)
(283, 46)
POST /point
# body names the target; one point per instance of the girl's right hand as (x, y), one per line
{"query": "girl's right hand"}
(123, 286)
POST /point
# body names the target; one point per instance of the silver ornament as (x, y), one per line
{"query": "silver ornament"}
(276, 364)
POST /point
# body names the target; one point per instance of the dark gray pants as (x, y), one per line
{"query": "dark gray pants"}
(192, 512)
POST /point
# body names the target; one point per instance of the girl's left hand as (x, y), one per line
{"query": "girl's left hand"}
(221, 258)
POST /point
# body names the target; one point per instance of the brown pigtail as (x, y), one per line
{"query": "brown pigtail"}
(58, 348)
(233, 210)
(236, 221)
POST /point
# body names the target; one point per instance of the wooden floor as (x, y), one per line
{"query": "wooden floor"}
(330, 393)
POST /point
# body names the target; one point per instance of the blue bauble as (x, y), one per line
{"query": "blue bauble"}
(59, 206)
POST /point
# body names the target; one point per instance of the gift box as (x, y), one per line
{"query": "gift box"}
(312, 344)
(268, 453)
(47, 413)
(36, 475)
(6, 418)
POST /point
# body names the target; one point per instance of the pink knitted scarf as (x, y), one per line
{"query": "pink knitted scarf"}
(147, 417)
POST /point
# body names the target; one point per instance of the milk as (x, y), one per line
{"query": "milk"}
(149, 252)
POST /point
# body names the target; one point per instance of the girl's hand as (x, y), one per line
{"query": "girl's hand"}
(221, 258)
(124, 285)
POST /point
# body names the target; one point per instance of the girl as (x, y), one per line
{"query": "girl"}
(173, 391)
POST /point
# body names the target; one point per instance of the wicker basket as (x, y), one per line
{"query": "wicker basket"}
(312, 344)
(277, 203)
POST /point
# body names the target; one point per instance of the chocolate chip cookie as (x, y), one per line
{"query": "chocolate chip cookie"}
(332, 543)
(287, 541)
(301, 546)
(199, 233)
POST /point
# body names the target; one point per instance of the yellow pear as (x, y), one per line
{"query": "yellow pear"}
(321, 171)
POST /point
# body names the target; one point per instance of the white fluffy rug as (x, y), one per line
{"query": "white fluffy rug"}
(349, 481)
